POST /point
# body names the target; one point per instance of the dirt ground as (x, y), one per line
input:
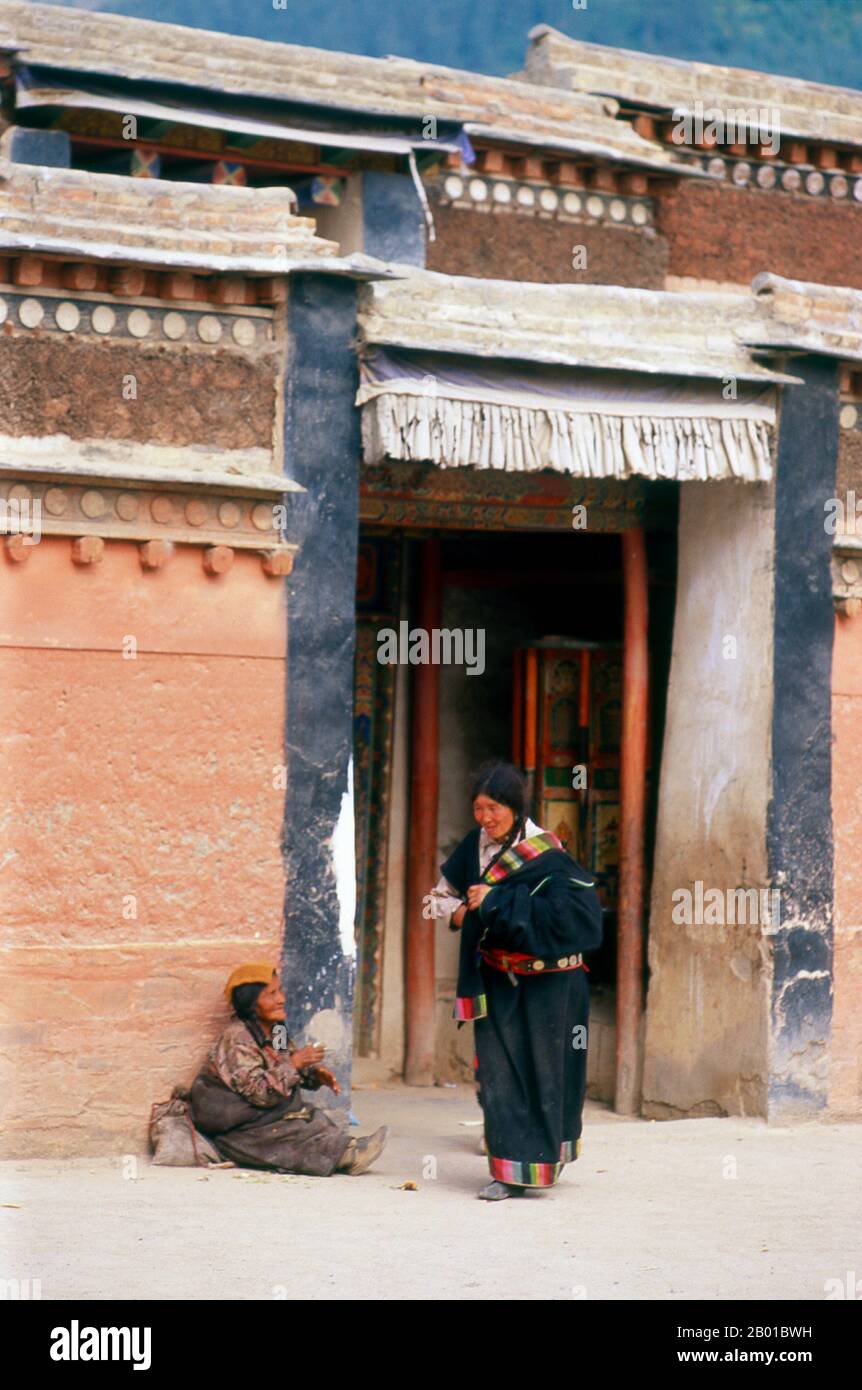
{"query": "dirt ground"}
(706, 1209)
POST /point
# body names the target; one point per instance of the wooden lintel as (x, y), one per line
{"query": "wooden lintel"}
(128, 281)
(178, 284)
(80, 275)
(271, 289)
(230, 289)
(28, 270)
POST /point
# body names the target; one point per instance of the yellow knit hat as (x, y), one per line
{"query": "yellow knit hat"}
(258, 972)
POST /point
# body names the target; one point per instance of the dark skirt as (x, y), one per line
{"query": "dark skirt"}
(532, 1072)
(289, 1137)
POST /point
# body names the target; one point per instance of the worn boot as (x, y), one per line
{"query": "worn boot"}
(361, 1153)
(347, 1158)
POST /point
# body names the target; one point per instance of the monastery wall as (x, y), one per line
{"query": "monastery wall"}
(101, 366)
(143, 670)
(143, 718)
(180, 397)
(718, 232)
(849, 477)
(510, 246)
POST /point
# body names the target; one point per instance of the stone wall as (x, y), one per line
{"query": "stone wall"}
(142, 827)
(716, 232)
(508, 246)
(849, 477)
(102, 367)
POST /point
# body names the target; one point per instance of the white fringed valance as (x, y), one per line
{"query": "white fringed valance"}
(455, 433)
(526, 417)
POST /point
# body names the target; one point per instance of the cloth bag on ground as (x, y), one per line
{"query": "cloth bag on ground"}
(174, 1140)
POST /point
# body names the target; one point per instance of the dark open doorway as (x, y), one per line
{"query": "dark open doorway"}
(559, 593)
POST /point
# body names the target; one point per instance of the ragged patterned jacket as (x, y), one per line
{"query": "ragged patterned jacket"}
(262, 1075)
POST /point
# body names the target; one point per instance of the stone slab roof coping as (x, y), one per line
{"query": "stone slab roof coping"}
(123, 220)
(807, 110)
(88, 41)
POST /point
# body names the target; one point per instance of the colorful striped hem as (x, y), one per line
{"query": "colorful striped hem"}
(524, 1174)
(470, 1008)
(570, 1149)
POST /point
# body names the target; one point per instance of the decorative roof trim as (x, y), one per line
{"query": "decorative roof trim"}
(154, 465)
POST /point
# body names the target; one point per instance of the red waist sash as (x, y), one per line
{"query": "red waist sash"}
(518, 963)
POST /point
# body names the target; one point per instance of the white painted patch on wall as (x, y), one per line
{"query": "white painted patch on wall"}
(327, 1027)
(344, 863)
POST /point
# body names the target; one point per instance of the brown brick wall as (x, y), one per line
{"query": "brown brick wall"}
(507, 246)
(49, 386)
(849, 463)
(725, 233)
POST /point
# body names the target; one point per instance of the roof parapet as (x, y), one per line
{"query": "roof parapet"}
(505, 109)
(605, 327)
(807, 110)
(112, 218)
(807, 317)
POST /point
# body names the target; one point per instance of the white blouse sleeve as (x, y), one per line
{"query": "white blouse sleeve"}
(443, 899)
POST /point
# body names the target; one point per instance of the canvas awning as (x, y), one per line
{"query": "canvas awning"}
(458, 413)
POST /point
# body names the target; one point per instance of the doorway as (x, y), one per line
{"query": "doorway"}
(556, 593)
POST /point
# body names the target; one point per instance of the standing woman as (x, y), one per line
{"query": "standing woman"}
(526, 911)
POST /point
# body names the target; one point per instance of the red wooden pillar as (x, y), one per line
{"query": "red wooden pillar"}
(633, 758)
(422, 867)
(531, 708)
(518, 708)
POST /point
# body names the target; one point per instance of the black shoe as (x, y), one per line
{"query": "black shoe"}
(498, 1192)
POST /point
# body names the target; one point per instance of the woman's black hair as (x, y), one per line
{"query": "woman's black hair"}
(504, 783)
(244, 1001)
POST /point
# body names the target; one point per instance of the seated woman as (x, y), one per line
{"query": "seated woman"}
(248, 1095)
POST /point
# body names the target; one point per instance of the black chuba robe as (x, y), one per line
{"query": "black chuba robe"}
(530, 1028)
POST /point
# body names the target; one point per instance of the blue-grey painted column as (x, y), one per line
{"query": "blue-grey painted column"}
(51, 148)
(393, 220)
(799, 839)
(322, 454)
